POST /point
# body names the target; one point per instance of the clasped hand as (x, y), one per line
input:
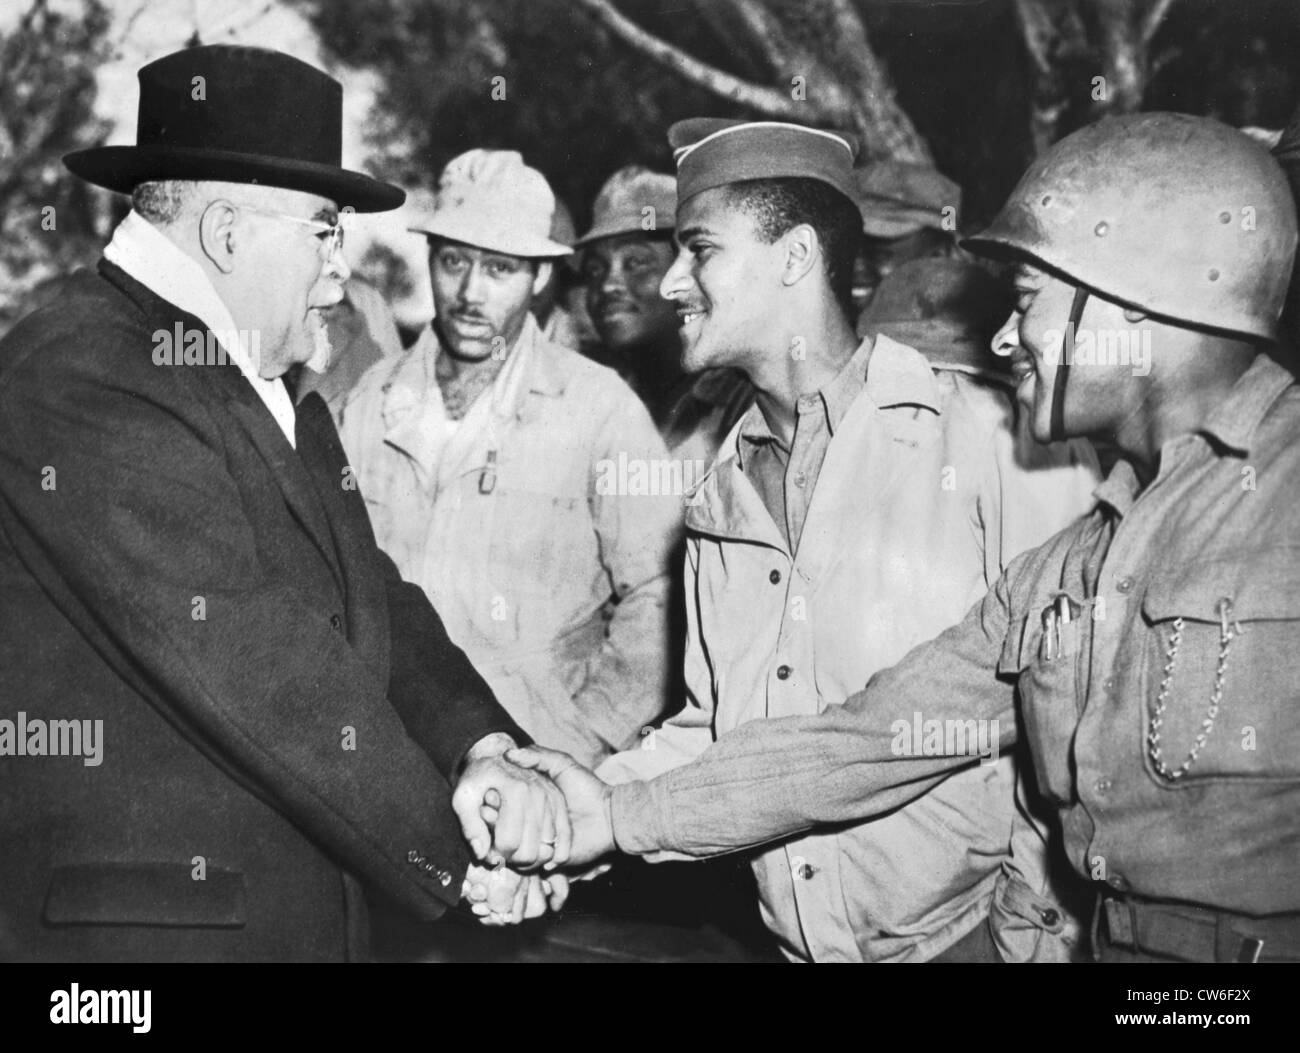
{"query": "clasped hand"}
(522, 810)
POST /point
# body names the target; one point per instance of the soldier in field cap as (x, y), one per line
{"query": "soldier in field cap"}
(490, 457)
(625, 255)
(185, 563)
(855, 511)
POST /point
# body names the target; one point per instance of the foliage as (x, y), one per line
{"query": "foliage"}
(47, 92)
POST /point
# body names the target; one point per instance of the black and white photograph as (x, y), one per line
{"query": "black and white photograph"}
(650, 481)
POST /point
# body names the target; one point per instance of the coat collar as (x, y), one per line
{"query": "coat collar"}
(414, 420)
(233, 391)
(412, 380)
(726, 504)
(151, 258)
(1232, 423)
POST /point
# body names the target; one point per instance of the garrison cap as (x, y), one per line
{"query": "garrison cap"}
(712, 152)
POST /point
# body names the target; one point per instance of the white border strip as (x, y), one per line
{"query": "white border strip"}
(682, 152)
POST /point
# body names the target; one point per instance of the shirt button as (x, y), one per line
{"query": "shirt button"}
(805, 871)
(1102, 786)
(800, 479)
(1108, 684)
(1117, 882)
(783, 673)
(444, 878)
(1124, 586)
(1049, 916)
(336, 623)
(775, 577)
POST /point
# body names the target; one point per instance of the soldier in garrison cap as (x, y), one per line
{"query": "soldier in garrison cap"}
(1150, 645)
(483, 453)
(854, 512)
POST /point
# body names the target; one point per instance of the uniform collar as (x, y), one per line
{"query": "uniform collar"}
(1232, 424)
(891, 374)
(1234, 421)
(413, 383)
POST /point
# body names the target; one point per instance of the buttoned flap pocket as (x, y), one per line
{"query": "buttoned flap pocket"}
(164, 894)
(1047, 679)
(1224, 648)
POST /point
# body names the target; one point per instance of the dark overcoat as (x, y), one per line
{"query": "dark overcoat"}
(281, 714)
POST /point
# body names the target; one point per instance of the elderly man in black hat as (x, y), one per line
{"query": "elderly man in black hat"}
(224, 711)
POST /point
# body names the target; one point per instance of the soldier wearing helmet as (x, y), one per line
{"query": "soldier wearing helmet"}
(1148, 651)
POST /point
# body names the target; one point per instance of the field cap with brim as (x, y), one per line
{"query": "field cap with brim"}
(238, 115)
(634, 200)
(898, 198)
(490, 199)
(711, 152)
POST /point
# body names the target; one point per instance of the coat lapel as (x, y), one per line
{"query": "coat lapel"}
(363, 582)
(287, 467)
(248, 410)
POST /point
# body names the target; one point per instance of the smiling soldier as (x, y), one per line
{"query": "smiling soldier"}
(854, 512)
(479, 453)
(625, 256)
(1165, 732)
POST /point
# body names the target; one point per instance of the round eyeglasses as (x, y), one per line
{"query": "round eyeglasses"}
(331, 233)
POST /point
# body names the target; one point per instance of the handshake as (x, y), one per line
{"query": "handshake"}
(535, 819)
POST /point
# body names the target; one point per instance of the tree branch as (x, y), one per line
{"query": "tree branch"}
(1151, 22)
(768, 101)
(1037, 30)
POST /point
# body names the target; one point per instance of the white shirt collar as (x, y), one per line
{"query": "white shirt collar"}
(152, 259)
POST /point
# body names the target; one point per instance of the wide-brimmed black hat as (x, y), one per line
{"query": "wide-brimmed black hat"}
(239, 115)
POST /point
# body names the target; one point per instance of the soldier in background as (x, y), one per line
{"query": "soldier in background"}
(1146, 652)
(484, 455)
(625, 256)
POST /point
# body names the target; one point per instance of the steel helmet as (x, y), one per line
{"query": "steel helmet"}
(1182, 217)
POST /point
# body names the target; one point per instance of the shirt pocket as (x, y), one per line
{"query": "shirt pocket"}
(1049, 700)
(1255, 599)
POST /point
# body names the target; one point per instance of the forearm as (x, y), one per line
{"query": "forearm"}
(770, 779)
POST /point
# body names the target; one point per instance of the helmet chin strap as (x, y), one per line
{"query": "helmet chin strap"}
(1063, 366)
